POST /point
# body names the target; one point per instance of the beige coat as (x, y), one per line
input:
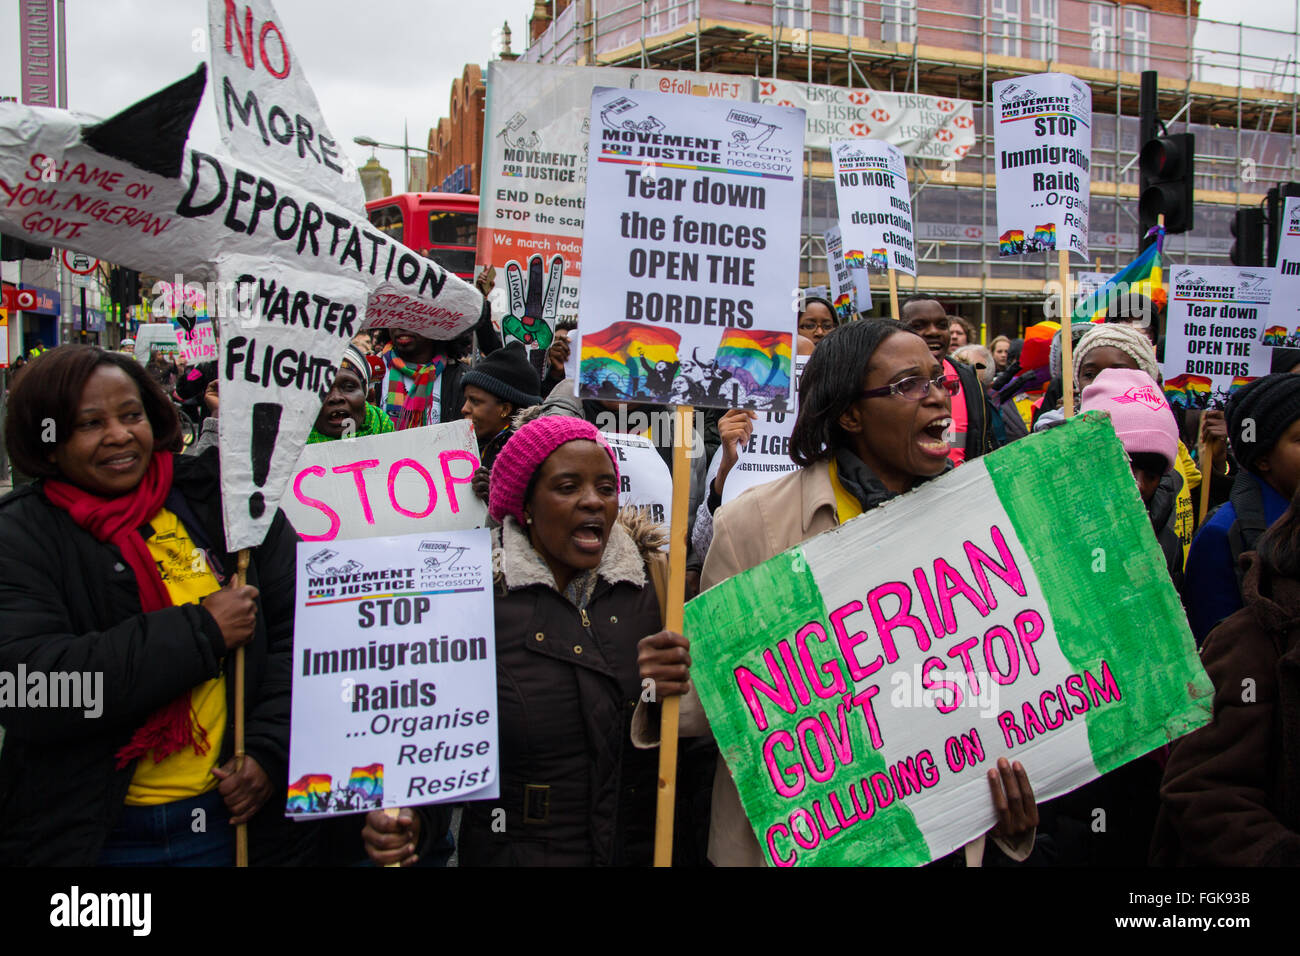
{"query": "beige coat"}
(760, 524)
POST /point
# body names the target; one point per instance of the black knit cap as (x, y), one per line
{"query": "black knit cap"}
(508, 375)
(1272, 402)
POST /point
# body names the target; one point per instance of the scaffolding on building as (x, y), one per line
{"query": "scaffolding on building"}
(1235, 87)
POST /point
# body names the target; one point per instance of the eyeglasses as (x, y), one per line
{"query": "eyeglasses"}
(915, 388)
(814, 326)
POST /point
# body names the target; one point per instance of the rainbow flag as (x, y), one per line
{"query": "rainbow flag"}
(1275, 335)
(368, 781)
(856, 259)
(1011, 242)
(1240, 382)
(1189, 391)
(308, 793)
(611, 358)
(1143, 275)
(1046, 235)
(760, 361)
(879, 258)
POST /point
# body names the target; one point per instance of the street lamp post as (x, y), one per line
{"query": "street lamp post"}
(406, 149)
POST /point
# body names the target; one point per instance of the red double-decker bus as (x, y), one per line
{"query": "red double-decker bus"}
(441, 226)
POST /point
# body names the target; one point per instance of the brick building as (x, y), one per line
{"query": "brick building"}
(458, 138)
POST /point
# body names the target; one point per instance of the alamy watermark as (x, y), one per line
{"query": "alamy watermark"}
(53, 690)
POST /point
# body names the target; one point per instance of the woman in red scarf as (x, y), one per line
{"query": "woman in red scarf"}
(120, 614)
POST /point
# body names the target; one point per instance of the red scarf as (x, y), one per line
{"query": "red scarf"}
(117, 521)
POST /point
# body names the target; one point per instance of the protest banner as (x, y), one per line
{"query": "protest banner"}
(644, 479)
(1283, 327)
(1214, 341)
(266, 111)
(1042, 138)
(766, 456)
(198, 344)
(394, 674)
(396, 483)
(843, 290)
(886, 665)
(927, 127)
(533, 191)
(875, 209)
(682, 254)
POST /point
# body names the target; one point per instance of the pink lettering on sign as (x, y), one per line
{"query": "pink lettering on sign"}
(355, 470)
(329, 512)
(450, 481)
(419, 469)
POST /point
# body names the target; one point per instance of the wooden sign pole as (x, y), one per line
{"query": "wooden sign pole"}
(669, 706)
(893, 295)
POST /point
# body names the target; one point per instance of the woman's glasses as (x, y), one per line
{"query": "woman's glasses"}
(915, 388)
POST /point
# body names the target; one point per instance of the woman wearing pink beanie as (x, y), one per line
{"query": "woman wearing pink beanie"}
(577, 589)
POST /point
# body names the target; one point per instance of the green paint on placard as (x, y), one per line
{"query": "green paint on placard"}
(1081, 520)
(722, 631)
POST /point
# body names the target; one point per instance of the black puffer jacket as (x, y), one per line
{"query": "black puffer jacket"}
(69, 603)
(574, 790)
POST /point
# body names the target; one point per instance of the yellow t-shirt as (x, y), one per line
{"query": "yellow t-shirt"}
(184, 774)
(846, 505)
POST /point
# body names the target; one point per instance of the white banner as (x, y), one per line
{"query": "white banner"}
(534, 182)
(766, 456)
(1214, 332)
(1283, 327)
(198, 344)
(394, 674)
(644, 479)
(266, 110)
(1043, 148)
(692, 241)
(928, 127)
(156, 337)
(843, 291)
(875, 206)
(397, 483)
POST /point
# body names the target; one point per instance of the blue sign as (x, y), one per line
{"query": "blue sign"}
(458, 180)
(94, 320)
(47, 300)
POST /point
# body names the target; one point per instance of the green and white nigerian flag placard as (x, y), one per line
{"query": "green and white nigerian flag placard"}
(1018, 606)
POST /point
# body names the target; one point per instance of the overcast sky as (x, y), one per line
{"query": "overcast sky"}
(372, 63)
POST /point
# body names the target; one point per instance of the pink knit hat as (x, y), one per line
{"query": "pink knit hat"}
(1138, 410)
(524, 453)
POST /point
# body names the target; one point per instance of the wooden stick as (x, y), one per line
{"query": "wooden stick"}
(1067, 336)
(241, 831)
(1207, 466)
(669, 706)
(893, 294)
(393, 813)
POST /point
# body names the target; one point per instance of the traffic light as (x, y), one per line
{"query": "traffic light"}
(1248, 233)
(1167, 166)
(11, 250)
(1276, 205)
(124, 286)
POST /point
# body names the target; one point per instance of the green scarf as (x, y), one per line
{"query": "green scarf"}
(377, 423)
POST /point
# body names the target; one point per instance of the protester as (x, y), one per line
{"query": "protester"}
(973, 432)
(817, 320)
(128, 346)
(156, 614)
(1127, 346)
(345, 413)
(1000, 346)
(423, 384)
(960, 332)
(495, 389)
(162, 370)
(1264, 430)
(874, 405)
(1231, 791)
(1049, 410)
(578, 588)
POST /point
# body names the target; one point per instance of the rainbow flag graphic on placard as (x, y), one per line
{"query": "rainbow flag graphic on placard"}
(1189, 391)
(611, 361)
(1142, 277)
(760, 361)
(368, 782)
(309, 793)
(856, 259)
(1241, 381)
(1275, 335)
(1045, 236)
(880, 258)
(1071, 671)
(1011, 242)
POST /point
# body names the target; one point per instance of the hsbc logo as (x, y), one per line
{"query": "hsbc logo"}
(974, 232)
(860, 129)
(879, 115)
(943, 135)
(961, 151)
(946, 106)
(784, 103)
(766, 89)
(859, 97)
(963, 122)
